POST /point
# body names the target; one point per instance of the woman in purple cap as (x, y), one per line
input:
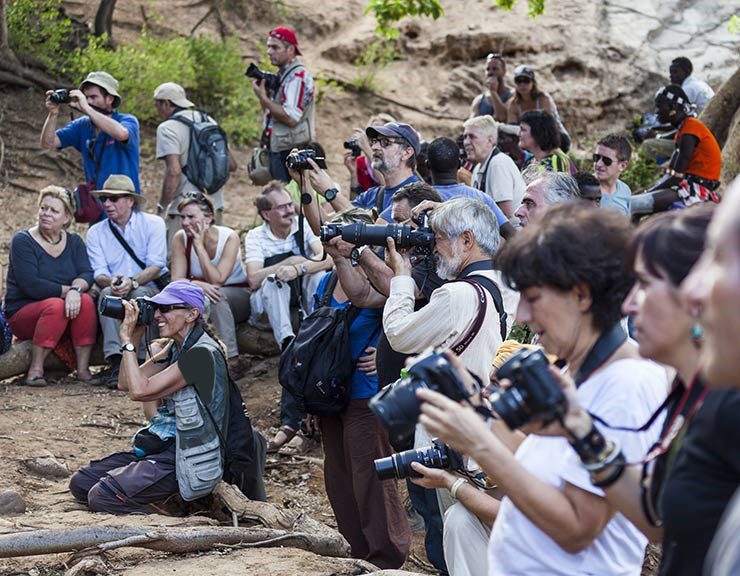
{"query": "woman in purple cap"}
(141, 479)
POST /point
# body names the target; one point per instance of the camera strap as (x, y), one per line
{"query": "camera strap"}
(125, 245)
(606, 345)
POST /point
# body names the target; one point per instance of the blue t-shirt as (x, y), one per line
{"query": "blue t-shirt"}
(369, 197)
(465, 191)
(118, 157)
(621, 200)
(363, 332)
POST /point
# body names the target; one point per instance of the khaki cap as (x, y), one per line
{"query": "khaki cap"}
(119, 185)
(106, 82)
(174, 93)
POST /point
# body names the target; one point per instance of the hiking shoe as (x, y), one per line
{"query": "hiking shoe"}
(115, 368)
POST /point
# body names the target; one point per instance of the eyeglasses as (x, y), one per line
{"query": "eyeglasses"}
(164, 308)
(283, 207)
(114, 199)
(605, 159)
(385, 142)
(522, 80)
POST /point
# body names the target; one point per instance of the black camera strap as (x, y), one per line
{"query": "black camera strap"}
(125, 245)
(606, 345)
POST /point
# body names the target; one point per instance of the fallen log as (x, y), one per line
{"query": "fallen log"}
(17, 360)
(177, 540)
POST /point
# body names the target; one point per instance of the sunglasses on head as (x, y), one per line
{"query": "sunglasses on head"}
(605, 159)
(164, 308)
(522, 80)
(113, 199)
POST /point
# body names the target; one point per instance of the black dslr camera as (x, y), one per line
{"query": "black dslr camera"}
(438, 455)
(534, 394)
(112, 307)
(272, 82)
(361, 234)
(354, 146)
(298, 160)
(397, 406)
(60, 96)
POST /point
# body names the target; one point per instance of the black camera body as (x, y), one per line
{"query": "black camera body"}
(404, 236)
(112, 307)
(354, 146)
(60, 96)
(398, 466)
(534, 396)
(298, 160)
(272, 81)
(397, 406)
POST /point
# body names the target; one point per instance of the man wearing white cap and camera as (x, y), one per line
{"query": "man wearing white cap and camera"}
(173, 146)
(107, 140)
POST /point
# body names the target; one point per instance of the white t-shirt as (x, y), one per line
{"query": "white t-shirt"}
(261, 243)
(173, 137)
(698, 91)
(503, 179)
(624, 393)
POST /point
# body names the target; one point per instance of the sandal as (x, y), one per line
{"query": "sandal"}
(37, 381)
(276, 444)
(297, 446)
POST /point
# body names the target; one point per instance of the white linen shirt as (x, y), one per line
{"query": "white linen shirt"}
(261, 244)
(447, 317)
(145, 233)
(503, 179)
(698, 91)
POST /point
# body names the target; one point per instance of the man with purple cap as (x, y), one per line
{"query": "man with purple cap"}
(289, 111)
(188, 375)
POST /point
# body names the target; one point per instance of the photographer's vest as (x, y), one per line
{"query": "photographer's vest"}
(284, 137)
(199, 460)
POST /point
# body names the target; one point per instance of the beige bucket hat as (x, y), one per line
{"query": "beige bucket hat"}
(106, 82)
(119, 185)
(174, 93)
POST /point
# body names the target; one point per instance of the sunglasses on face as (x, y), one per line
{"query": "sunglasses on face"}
(113, 199)
(385, 142)
(605, 159)
(164, 308)
(522, 80)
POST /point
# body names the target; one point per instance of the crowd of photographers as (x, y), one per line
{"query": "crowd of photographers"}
(392, 303)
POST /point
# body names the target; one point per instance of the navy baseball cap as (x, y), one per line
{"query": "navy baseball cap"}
(396, 130)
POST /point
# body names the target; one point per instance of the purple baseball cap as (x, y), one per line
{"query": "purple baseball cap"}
(396, 130)
(181, 292)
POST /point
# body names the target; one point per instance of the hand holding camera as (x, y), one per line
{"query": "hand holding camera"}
(130, 324)
(320, 180)
(399, 262)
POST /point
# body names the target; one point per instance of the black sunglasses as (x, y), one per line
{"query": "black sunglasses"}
(385, 142)
(164, 308)
(522, 80)
(113, 199)
(605, 159)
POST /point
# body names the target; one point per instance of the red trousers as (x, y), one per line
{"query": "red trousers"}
(369, 511)
(44, 322)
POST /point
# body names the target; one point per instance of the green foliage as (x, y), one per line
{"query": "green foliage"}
(734, 25)
(210, 71)
(324, 87)
(39, 28)
(388, 12)
(374, 57)
(641, 172)
(521, 334)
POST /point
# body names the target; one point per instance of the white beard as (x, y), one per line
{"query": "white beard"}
(448, 269)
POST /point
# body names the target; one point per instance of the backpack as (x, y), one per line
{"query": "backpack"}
(317, 366)
(6, 336)
(208, 157)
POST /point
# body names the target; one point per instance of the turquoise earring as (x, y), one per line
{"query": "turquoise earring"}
(697, 334)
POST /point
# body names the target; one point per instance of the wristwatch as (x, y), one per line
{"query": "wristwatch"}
(354, 256)
(134, 283)
(127, 348)
(330, 194)
(306, 198)
(76, 289)
(304, 269)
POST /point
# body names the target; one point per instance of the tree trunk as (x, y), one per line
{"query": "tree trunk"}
(719, 112)
(731, 152)
(103, 23)
(4, 26)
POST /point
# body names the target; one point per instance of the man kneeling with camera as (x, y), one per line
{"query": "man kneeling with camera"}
(200, 432)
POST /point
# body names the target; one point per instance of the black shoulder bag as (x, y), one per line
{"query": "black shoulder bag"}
(160, 282)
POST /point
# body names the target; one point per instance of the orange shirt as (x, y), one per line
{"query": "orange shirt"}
(706, 161)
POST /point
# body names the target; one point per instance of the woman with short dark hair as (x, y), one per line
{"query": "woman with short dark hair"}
(539, 135)
(569, 268)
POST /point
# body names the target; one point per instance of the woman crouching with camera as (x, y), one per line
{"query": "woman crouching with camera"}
(570, 271)
(680, 492)
(140, 479)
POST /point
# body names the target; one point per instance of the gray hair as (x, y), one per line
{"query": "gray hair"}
(557, 187)
(455, 216)
(486, 125)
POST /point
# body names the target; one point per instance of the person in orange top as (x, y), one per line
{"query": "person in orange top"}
(695, 166)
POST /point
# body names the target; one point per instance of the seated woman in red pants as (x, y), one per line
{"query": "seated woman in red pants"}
(48, 278)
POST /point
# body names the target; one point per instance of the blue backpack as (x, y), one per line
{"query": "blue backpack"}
(208, 156)
(6, 336)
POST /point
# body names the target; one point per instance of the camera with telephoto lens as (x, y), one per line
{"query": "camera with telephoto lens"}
(397, 406)
(404, 236)
(112, 307)
(272, 82)
(298, 160)
(398, 466)
(354, 146)
(534, 395)
(60, 96)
